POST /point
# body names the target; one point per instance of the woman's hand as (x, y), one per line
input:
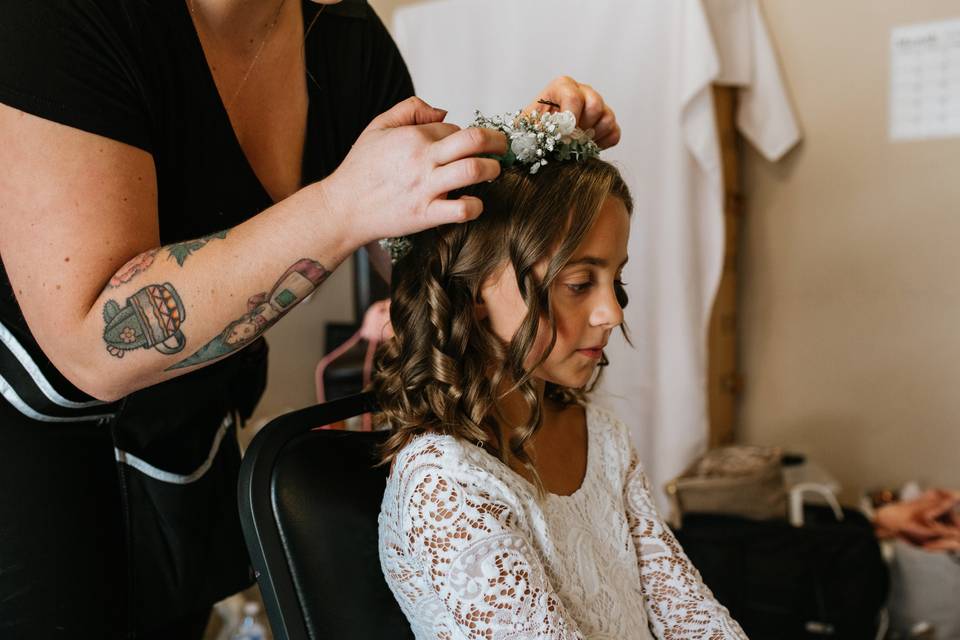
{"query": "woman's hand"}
(586, 105)
(396, 177)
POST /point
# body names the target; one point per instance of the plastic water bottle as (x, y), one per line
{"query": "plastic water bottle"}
(250, 627)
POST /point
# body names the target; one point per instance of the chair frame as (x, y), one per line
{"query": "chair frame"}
(260, 531)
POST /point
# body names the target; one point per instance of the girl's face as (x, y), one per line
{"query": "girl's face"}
(584, 299)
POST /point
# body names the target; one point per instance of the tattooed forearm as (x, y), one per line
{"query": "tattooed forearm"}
(182, 250)
(149, 319)
(263, 310)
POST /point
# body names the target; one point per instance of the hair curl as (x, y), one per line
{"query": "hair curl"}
(443, 369)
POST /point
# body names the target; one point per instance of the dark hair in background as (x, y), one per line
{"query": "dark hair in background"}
(443, 369)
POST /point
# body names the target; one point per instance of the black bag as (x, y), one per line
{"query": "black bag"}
(826, 579)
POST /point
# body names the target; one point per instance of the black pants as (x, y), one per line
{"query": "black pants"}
(63, 567)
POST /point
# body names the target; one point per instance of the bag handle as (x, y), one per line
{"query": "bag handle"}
(796, 501)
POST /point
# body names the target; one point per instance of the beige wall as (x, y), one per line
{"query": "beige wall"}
(850, 304)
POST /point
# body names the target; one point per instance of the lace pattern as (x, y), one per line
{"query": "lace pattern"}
(470, 552)
(679, 605)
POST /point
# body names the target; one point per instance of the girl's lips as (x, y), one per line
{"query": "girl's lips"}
(591, 353)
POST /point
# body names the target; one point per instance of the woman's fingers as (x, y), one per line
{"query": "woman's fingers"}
(563, 91)
(943, 544)
(593, 108)
(586, 105)
(453, 211)
(438, 130)
(604, 126)
(466, 143)
(395, 179)
(463, 173)
(607, 131)
(413, 110)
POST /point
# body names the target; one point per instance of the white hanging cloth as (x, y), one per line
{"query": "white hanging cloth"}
(749, 61)
(653, 61)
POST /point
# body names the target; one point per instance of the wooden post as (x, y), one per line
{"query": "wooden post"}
(724, 382)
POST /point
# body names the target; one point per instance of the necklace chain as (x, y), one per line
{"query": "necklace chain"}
(256, 56)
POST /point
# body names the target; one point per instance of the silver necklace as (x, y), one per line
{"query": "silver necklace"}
(256, 56)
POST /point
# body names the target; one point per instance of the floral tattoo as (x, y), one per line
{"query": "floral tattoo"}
(136, 265)
(179, 251)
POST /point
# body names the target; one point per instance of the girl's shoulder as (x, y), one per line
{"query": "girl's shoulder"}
(427, 448)
(449, 457)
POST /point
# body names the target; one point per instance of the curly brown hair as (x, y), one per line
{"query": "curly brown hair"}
(443, 370)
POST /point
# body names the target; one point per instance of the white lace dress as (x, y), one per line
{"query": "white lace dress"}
(469, 551)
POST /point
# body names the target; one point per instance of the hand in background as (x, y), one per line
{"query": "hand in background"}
(931, 521)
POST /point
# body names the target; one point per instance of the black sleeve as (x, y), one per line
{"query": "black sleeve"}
(74, 62)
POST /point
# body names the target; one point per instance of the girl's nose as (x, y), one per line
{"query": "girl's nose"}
(607, 312)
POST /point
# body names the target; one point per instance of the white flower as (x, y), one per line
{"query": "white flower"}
(565, 122)
(524, 146)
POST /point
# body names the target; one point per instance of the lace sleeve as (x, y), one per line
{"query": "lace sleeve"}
(678, 604)
(475, 555)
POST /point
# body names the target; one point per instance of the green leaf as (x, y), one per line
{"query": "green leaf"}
(182, 250)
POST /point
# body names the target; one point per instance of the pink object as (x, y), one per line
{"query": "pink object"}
(376, 325)
(375, 328)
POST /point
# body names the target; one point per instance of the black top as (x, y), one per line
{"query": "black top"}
(134, 71)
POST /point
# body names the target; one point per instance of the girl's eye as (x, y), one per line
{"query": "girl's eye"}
(579, 287)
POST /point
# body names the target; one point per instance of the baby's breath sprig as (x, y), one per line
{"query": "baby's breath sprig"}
(396, 247)
(537, 137)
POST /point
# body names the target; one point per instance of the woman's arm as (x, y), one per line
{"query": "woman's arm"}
(678, 604)
(115, 312)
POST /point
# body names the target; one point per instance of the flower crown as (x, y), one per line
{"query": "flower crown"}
(534, 139)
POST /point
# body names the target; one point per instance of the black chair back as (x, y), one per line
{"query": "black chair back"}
(309, 501)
